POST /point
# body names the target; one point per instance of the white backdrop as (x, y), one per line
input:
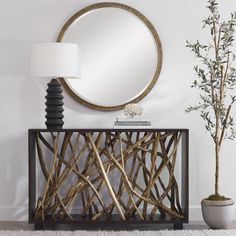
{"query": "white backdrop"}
(22, 98)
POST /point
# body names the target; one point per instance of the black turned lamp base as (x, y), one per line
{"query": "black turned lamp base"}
(54, 105)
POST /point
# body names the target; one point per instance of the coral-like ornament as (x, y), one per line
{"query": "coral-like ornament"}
(133, 110)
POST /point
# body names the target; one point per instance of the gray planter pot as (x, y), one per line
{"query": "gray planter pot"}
(217, 214)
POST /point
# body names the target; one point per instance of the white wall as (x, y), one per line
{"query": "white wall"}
(22, 98)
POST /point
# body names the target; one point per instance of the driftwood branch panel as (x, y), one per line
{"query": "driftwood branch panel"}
(96, 178)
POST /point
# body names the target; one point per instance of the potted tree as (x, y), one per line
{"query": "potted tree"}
(216, 79)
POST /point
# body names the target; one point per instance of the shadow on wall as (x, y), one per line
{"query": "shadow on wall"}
(21, 102)
(13, 181)
(14, 60)
(24, 95)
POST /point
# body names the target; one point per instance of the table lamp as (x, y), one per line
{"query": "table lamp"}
(54, 60)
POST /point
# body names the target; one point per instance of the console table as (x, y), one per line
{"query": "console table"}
(108, 178)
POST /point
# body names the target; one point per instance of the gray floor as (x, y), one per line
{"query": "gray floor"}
(17, 225)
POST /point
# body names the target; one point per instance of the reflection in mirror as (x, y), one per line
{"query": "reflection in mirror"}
(121, 56)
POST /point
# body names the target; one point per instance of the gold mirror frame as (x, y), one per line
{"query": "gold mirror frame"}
(155, 36)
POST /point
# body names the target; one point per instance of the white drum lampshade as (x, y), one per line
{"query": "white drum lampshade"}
(54, 60)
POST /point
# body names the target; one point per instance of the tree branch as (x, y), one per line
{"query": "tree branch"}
(225, 124)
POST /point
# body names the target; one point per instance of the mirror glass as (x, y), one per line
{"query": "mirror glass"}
(120, 57)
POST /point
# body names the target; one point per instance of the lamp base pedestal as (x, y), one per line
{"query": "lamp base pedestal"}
(54, 105)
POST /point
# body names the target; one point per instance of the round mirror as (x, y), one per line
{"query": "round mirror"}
(121, 55)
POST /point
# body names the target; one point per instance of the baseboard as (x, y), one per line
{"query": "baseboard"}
(13, 214)
(21, 213)
(195, 213)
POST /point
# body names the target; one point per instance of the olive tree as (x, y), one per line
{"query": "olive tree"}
(215, 80)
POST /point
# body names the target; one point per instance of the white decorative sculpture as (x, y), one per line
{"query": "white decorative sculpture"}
(133, 110)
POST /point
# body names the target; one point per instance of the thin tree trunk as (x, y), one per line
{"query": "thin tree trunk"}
(217, 153)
